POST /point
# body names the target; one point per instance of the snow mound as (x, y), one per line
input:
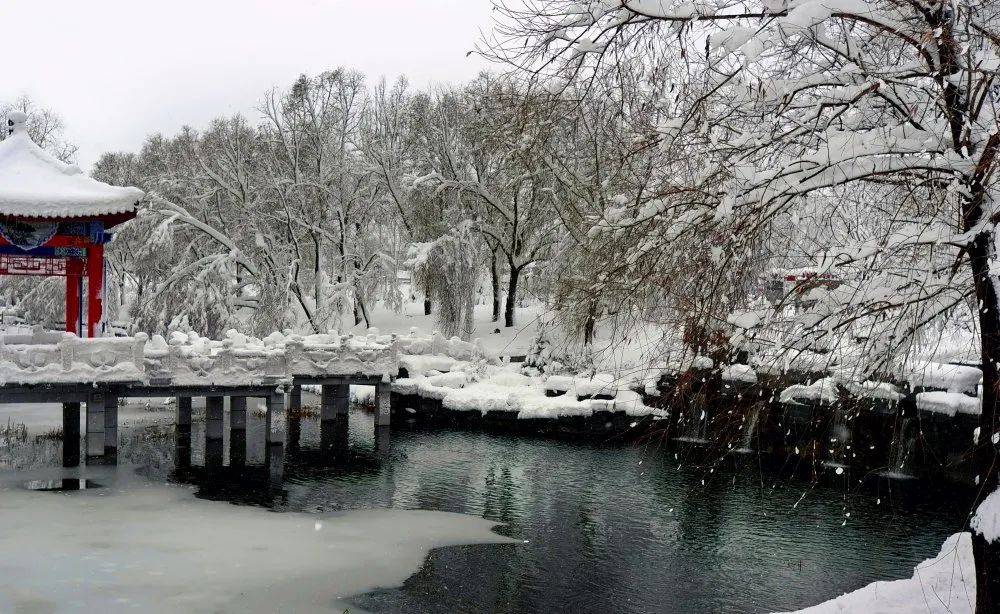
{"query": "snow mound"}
(500, 388)
(823, 390)
(739, 373)
(949, 403)
(875, 390)
(986, 522)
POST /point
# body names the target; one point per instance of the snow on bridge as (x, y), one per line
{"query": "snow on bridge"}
(187, 359)
(62, 368)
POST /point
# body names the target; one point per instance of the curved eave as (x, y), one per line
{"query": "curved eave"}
(110, 219)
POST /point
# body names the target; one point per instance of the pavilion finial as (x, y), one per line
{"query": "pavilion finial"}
(16, 121)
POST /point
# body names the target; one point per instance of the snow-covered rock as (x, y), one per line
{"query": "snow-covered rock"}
(739, 373)
(823, 390)
(883, 391)
(502, 388)
(953, 378)
(603, 384)
(949, 403)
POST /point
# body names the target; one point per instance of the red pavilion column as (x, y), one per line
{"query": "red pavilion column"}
(74, 275)
(95, 282)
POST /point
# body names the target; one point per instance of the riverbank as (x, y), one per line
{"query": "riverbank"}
(944, 584)
(916, 427)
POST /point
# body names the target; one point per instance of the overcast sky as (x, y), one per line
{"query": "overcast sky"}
(117, 70)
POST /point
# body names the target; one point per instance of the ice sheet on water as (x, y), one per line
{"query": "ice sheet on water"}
(139, 546)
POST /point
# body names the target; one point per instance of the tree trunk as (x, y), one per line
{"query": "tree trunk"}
(495, 280)
(588, 327)
(986, 554)
(317, 271)
(508, 312)
(427, 294)
(360, 305)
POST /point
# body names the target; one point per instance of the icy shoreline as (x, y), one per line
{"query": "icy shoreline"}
(944, 584)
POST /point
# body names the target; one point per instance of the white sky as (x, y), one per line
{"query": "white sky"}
(117, 70)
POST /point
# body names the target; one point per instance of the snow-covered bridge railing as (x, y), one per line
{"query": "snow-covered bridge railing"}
(60, 367)
(188, 359)
(64, 358)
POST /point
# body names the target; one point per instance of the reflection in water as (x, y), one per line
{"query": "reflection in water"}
(238, 448)
(604, 528)
(63, 484)
(294, 433)
(334, 436)
(213, 453)
(182, 449)
(382, 441)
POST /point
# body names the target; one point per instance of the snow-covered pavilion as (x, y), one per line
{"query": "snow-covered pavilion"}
(55, 220)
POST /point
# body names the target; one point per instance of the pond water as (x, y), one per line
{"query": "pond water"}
(614, 527)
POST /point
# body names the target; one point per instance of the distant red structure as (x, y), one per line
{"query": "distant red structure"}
(55, 221)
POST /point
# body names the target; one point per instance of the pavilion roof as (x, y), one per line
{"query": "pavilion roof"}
(34, 184)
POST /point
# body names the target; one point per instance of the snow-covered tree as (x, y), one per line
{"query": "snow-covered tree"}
(488, 147)
(885, 109)
(260, 226)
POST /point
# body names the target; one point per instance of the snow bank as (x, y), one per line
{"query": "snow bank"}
(560, 383)
(421, 365)
(953, 378)
(500, 388)
(949, 403)
(603, 384)
(945, 584)
(415, 344)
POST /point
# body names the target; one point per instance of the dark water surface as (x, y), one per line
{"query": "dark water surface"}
(616, 528)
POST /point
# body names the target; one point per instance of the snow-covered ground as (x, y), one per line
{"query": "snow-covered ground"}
(136, 546)
(513, 341)
(612, 349)
(945, 584)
